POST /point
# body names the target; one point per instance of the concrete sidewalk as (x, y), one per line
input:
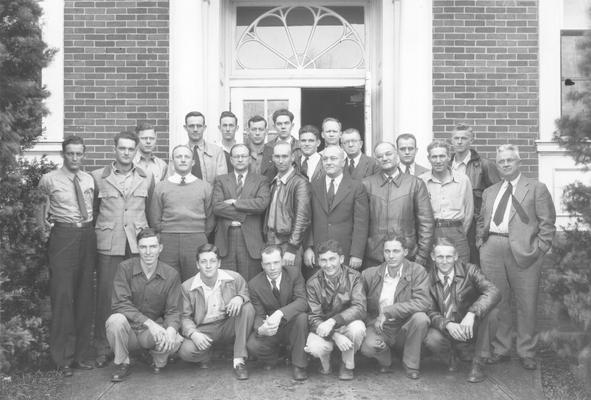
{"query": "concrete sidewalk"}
(183, 381)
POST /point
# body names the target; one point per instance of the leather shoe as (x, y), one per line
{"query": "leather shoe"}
(345, 374)
(323, 371)
(412, 373)
(66, 371)
(241, 372)
(121, 372)
(476, 375)
(101, 361)
(205, 365)
(385, 369)
(453, 362)
(529, 363)
(155, 369)
(82, 365)
(498, 358)
(299, 374)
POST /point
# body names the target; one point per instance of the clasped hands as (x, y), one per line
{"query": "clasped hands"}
(165, 339)
(463, 331)
(271, 324)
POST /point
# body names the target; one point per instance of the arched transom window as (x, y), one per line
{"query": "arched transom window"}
(300, 38)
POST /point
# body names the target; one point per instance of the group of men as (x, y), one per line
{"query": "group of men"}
(275, 243)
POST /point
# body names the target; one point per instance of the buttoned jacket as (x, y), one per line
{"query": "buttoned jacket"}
(367, 166)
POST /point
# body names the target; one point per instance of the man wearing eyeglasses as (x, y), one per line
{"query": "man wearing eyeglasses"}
(358, 165)
(240, 200)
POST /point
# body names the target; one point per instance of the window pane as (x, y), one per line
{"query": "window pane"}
(576, 14)
(250, 108)
(572, 79)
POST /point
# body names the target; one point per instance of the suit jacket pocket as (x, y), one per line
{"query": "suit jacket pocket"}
(104, 235)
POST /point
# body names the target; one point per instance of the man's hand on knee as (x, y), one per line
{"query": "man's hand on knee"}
(342, 342)
(201, 340)
(158, 332)
(234, 306)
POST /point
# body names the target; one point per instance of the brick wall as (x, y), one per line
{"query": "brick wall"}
(116, 71)
(485, 72)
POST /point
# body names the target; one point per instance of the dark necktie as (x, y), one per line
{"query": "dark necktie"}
(447, 303)
(274, 288)
(407, 169)
(351, 165)
(239, 185)
(330, 194)
(80, 199)
(502, 206)
(183, 180)
(196, 170)
(304, 169)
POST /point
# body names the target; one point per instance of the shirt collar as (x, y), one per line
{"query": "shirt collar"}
(394, 175)
(356, 158)
(431, 177)
(139, 156)
(442, 277)
(337, 180)
(222, 276)
(277, 281)
(398, 275)
(70, 175)
(311, 157)
(204, 146)
(243, 175)
(116, 171)
(137, 269)
(286, 177)
(465, 161)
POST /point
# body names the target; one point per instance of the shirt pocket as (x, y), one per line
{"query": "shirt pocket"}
(104, 235)
(140, 192)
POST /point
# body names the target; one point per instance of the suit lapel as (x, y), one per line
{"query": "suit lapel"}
(319, 190)
(111, 179)
(362, 166)
(284, 289)
(342, 192)
(317, 171)
(520, 192)
(402, 283)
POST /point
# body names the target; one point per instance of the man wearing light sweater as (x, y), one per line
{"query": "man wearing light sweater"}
(181, 210)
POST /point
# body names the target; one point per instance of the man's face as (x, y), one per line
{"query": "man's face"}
(439, 159)
(149, 249)
(330, 262)
(182, 160)
(331, 132)
(333, 161)
(445, 257)
(407, 151)
(147, 141)
(352, 144)
(240, 159)
(228, 128)
(386, 156)
(283, 125)
(257, 131)
(195, 126)
(394, 253)
(73, 157)
(208, 264)
(461, 140)
(125, 151)
(282, 157)
(271, 264)
(508, 164)
(309, 143)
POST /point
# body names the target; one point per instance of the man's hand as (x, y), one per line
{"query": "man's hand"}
(467, 325)
(342, 342)
(274, 319)
(230, 201)
(201, 340)
(169, 340)
(266, 330)
(234, 306)
(158, 332)
(478, 243)
(325, 327)
(456, 331)
(379, 324)
(355, 262)
(309, 258)
(288, 259)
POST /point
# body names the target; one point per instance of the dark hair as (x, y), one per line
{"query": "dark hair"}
(406, 136)
(256, 118)
(280, 112)
(272, 248)
(330, 245)
(309, 129)
(126, 135)
(439, 144)
(73, 139)
(331, 119)
(194, 114)
(239, 145)
(443, 241)
(397, 237)
(207, 248)
(143, 126)
(147, 233)
(226, 114)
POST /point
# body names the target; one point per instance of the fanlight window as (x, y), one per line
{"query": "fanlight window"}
(300, 38)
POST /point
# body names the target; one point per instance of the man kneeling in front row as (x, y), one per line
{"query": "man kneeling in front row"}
(145, 307)
(463, 300)
(216, 309)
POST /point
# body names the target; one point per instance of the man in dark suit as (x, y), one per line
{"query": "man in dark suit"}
(515, 229)
(278, 296)
(283, 121)
(240, 200)
(358, 165)
(406, 145)
(340, 211)
(309, 163)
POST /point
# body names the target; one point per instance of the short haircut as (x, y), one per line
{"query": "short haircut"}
(178, 146)
(207, 248)
(406, 136)
(309, 129)
(194, 114)
(330, 245)
(147, 233)
(397, 237)
(349, 131)
(126, 135)
(255, 119)
(509, 147)
(228, 114)
(331, 119)
(439, 144)
(272, 248)
(73, 139)
(284, 112)
(380, 143)
(443, 241)
(239, 145)
(463, 126)
(144, 126)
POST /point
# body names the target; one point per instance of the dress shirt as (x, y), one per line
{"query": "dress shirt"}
(412, 168)
(216, 309)
(277, 281)
(337, 182)
(243, 176)
(176, 178)
(393, 176)
(151, 163)
(123, 179)
(58, 186)
(313, 161)
(389, 287)
(355, 159)
(503, 227)
(442, 277)
(460, 165)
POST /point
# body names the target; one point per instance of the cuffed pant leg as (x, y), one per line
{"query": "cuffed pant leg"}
(121, 337)
(320, 348)
(374, 346)
(413, 334)
(355, 331)
(297, 330)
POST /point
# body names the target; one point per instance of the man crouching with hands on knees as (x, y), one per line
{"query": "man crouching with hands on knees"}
(216, 309)
(145, 307)
(337, 310)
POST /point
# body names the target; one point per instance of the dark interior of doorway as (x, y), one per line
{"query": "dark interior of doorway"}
(346, 104)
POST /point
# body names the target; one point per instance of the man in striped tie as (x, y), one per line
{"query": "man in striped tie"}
(462, 312)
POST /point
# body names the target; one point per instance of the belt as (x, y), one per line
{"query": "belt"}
(498, 234)
(73, 224)
(445, 223)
